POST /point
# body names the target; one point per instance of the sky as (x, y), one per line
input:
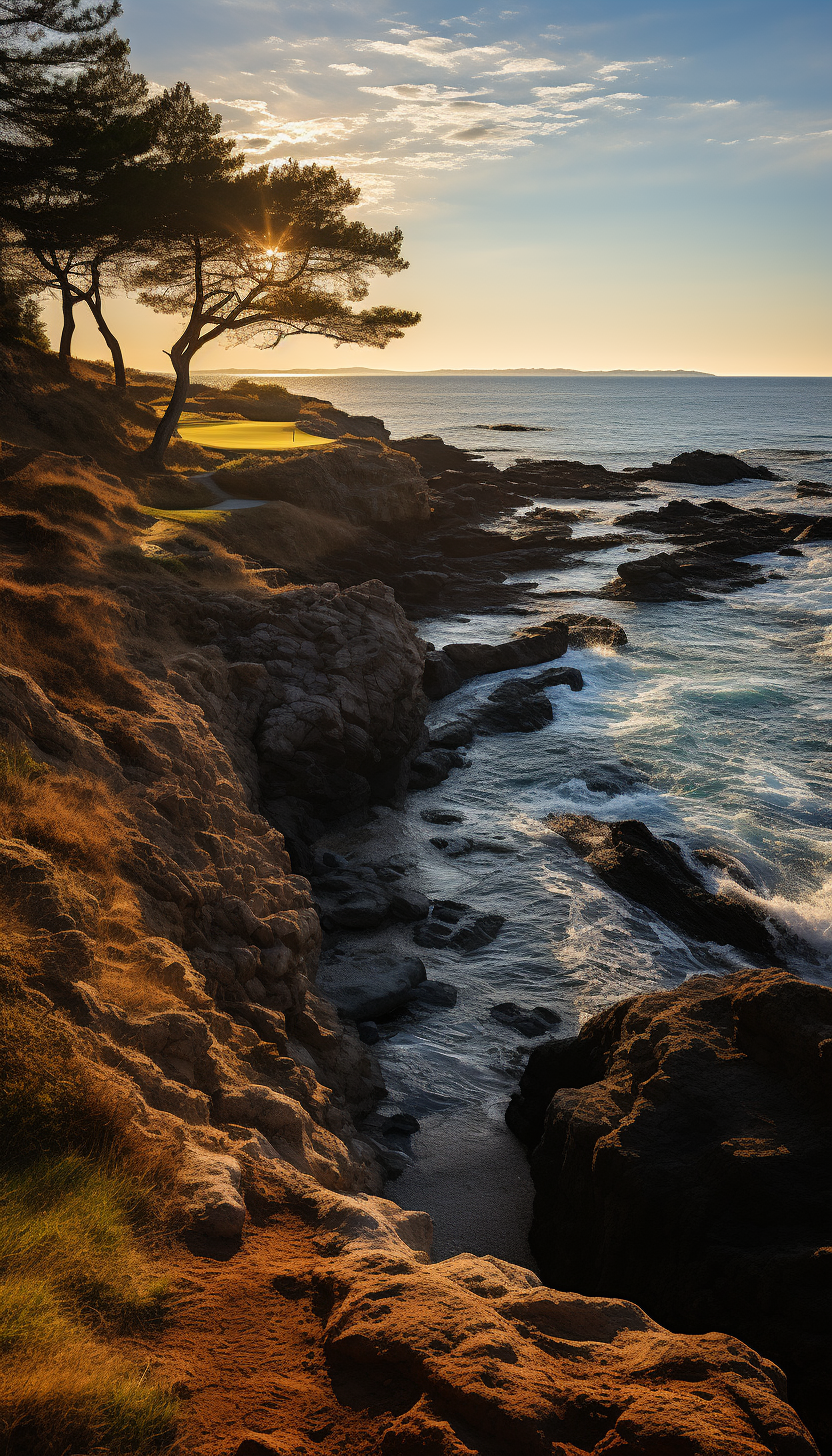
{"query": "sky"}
(590, 185)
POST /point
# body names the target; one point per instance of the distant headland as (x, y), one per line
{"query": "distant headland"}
(537, 373)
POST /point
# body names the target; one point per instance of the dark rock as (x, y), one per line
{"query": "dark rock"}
(654, 872)
(442, 816)
(683, 1160)
(454, 847)
(421, 585)
(368, 1032)
(362, 911)
(435, 993)
(441, 677)
(479, 933)
(432, 933)
(702, 467)
(370, 987)
(432, 768)
(450, 910)
(515, 707)
(812, 487)
(535, 644)
(555, 677)
(681, 576)
(333, 861)
(458, 733)
(536, 1022)
(790, 551)
(722, 860)
(586, 631)
(409, 905)
(401, 1122)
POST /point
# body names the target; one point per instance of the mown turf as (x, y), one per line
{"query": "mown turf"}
(250, 435)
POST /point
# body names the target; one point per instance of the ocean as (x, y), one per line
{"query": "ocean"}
(712, 727)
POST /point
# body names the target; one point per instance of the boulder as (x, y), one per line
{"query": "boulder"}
(536, 1022)
(542, 643)
(654, 872)
(702, 467)
(682, 1156)
(368, 988)
(432, 768)
(515, 707)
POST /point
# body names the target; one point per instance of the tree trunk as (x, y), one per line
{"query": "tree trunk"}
(93, 299)
(155, 452)
(67, 305)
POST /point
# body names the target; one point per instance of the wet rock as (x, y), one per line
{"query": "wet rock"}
(702, 467)
(812, 487)
(456, 734)
(683, 1158)
(474, 659)
(442, 816)
(363, 911)
(681, 576)
(570, 677)
(514, 707)
(435, 993)
(454, 847)
(790, 551)
(400, 1122)
(409, 905)
(432, 933)
(451, 911)
(720, 859)
(441, 677)
(371, 987)
(536, 1022)
(479, 933)
(368, 1032)
(654, 872)
(588, 631)
(432, 768)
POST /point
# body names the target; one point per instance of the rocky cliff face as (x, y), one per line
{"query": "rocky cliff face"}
(362, 481)
(151, 710)
(682, 1157)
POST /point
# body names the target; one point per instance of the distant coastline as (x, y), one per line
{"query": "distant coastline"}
(465, 373)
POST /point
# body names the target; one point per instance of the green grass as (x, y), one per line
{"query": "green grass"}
(187, 518)
(251, 435)
(74, 1275)
(17, 766)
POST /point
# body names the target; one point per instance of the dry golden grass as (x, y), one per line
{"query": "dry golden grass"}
(77, 1182)
(67, 639)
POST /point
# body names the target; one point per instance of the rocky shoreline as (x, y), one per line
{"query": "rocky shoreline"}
(189, 720)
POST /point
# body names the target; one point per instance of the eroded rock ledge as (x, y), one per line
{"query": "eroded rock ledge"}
(682, 1155)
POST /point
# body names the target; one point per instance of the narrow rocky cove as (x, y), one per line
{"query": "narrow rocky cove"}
(394, 798)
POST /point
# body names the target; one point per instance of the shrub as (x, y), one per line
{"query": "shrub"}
(17, 766)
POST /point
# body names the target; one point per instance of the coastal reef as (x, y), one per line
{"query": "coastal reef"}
(681, 1152)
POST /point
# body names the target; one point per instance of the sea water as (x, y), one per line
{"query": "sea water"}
(712, 727)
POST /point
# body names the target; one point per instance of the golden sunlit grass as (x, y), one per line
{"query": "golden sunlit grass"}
(186, 517)
(251, 435)
(72, 1271)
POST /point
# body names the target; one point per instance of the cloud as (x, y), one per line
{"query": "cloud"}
(431, 50)
(612, 70)
(350, 69)
(710, 105)
(521, 66)
(544, 92)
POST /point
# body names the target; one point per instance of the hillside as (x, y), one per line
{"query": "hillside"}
(198, 1250)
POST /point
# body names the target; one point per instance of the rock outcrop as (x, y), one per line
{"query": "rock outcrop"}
(654, 872)
(362, 481)
(702, 467)
(448, 668)
(682, 1155)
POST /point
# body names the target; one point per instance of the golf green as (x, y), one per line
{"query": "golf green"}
(250, 435)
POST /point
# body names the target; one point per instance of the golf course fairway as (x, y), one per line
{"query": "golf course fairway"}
(250, 435)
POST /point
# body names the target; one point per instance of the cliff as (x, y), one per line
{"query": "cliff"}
(170, 1074)
(681, 1153)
